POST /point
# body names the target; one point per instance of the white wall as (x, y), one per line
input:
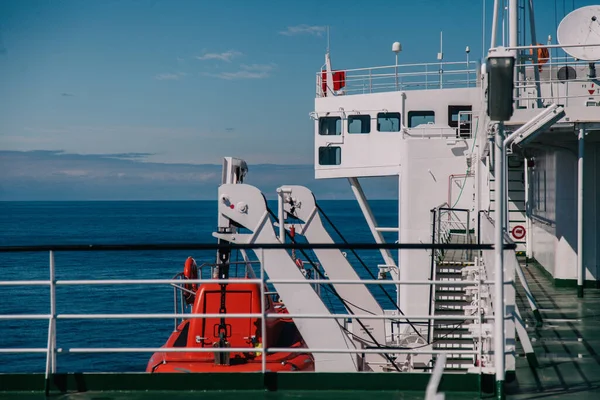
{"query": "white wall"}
(426, 166)
(554, 190)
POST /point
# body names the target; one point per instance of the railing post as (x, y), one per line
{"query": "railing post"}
(499, 356)
(431, 277)
(51, 352)
(480, 312)
(175, 307)
(263, 322)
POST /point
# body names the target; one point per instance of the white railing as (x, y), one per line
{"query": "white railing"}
(461, 74)
(51, 350)
(538, 83)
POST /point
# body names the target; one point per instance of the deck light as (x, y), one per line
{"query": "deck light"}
(500, 69)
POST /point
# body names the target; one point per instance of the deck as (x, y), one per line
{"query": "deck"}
(567, 345)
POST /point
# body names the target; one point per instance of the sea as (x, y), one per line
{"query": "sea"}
(127, 222)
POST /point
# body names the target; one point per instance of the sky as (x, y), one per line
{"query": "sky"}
(189, 82)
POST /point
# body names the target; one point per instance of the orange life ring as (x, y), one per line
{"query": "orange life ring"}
(543, 55)
(190, 271)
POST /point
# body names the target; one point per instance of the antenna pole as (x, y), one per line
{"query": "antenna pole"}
(494, 24)
(441, 58)
(327, 39)
(483, 30)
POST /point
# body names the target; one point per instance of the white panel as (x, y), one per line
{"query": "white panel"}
(425, 176)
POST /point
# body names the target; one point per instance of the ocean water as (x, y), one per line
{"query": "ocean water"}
(36, 223)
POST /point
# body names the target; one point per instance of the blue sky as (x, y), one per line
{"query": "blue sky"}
(193, 81)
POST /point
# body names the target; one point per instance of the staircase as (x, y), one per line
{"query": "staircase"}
(451, 299)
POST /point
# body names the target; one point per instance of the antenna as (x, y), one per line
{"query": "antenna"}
(327, 39)
(581, 27)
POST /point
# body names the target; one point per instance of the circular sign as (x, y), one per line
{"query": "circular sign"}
(518, 232)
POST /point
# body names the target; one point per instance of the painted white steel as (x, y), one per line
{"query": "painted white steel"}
(299, 298)
(580, 212)
(372, 223)
(436, 377)
(357, 298)
(499, 357)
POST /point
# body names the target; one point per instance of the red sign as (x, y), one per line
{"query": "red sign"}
(518, 232)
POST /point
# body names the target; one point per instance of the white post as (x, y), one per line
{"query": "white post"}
(499, 357)
(528, 208)
(580, 265)
(263, 322)
(281, 215)
(513, 24)
(51, 352)
(494, 24)
(505, 213)
(396, 71)
(536, 71)
(401, 273)
(370, 218)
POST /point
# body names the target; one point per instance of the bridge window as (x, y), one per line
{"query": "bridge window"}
(416, 118)
(330, 126)
(330, 155)
(388, 122)
(359, 124)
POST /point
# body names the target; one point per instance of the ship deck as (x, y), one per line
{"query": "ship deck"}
(567, 346)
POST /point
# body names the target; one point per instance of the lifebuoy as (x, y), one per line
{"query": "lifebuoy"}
(542, 55)
(190, 271)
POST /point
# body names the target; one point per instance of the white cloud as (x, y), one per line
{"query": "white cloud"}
(315, 30)
(247, 71)
(170, 76)
(259, 67)
(226, 56)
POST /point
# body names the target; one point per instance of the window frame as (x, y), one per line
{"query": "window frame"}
(394, 114)
(420, 113)
(338, 155)
(359, 117)
(336, 119)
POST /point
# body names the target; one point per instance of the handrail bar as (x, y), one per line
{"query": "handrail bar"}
(435, 64)
(269, 246)
(241, 281)
(248, 315)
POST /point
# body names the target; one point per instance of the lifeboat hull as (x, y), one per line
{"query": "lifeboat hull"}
(241, 333)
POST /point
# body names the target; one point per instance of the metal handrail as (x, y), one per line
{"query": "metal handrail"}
(361, 80)
(51, 350)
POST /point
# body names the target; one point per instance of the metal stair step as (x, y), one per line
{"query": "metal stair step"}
(448, 302)
(459, 313)
(447, 340)
(456, 330)
(453, 346)
(449, 291)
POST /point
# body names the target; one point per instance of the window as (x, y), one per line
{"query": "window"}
(465, 118)
(416, 118)
(330, 126)
(359, 124)
(388, 122)
(330, 155)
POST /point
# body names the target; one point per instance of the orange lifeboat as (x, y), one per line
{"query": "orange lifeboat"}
(240, 333)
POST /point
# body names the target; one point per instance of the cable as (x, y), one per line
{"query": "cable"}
(387, 356)
(367, 269)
